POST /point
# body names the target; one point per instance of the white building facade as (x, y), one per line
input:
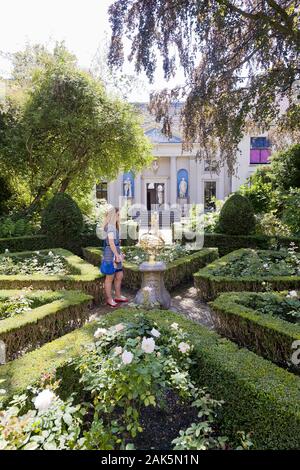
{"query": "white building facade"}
(178, 178)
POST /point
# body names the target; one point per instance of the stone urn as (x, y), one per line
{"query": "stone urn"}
(153, 292)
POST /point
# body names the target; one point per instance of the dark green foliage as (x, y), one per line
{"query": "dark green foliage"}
(254, 320)
(260, 190)
(5, 195)
(26, 243)
(286, 168)
(237, 216)
(62, 222)
(259, 396)
(15, 228)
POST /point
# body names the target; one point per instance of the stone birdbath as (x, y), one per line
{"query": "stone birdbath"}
(152, 292)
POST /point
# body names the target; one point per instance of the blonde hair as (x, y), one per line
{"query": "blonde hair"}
(110, 216)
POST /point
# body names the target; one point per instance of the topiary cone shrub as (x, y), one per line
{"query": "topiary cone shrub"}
(62, 223)
(237, 216)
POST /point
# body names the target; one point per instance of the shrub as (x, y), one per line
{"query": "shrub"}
(62, 222)
(259, 190)
(237, 216)
(286, 168)
(291, 211)
(29, 319)
(269, 224)
(15, 228)
(259, 321)
(5, 194)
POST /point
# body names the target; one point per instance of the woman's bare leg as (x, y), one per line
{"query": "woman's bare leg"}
(108, 287)
(118, 282)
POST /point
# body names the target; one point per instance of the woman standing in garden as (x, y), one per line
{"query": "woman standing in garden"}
(112, 259)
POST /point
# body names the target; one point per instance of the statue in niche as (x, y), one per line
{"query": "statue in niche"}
(183, 188)
(127, 188)
(160, 194)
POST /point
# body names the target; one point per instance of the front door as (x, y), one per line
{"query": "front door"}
(155, 195)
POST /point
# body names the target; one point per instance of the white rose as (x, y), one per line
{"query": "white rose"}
(127, 357)
(43, 400)
(174, 326)
(183, 347)
(118, 350)
(155, 333)
(292, 294)
(100, 332)
(119, 327)
(148, 345)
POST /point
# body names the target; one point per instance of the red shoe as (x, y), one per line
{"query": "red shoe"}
(114, 305)
(121, 299)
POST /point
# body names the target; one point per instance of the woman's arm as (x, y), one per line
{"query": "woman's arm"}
(113, 248)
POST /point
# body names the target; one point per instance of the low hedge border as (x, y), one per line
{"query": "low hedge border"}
(259, 396)
(26, 243)
(61, 313)
(89, 279)
(178, 272)
(209, 285)
(229, 243)
(267, 335)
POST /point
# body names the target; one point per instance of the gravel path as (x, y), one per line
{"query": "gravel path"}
(185, 301)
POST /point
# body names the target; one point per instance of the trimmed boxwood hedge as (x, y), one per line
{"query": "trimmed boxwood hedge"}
(87, 278)
(26, 243)
(267, 335)
(59, 313)
(178, 272)
(259, 396)
(228, 243)
(210, 285)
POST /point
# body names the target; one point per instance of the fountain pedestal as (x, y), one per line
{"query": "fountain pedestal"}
(153, 289)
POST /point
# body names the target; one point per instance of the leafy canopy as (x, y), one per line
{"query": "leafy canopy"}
(240, 58)
(67, 130)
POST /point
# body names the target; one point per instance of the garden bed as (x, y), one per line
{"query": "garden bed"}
(267, 323)
(249, 270)
(179, 271)
(72, 273)
(259, 396)
(30, 319)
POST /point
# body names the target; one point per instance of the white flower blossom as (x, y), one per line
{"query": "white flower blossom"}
(44, 399)
(265, 265)
(2, 391)
(292, 294)
(127, 357)
(148, 345)
(50, 253)
(119, 327)
(37, 252)
(183, 347)
(6, 250)
(155, 333)
(174, 326)
(100, 332)
(118, 350)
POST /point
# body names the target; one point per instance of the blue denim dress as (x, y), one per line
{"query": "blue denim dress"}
(107, 264)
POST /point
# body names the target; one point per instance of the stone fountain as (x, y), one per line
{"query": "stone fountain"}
(153, 292)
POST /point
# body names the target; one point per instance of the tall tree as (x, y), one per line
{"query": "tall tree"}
(68, 130)
(240, 58)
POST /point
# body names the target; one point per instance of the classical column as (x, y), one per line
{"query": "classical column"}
(138, 189)
(199, 191)
(193, 180)
(173, 180)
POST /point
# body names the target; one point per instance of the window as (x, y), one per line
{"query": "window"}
(101, 190)
(210, 192)
(210, 165)
(260, 150)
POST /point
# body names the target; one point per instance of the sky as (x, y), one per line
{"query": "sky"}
(82, 24)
